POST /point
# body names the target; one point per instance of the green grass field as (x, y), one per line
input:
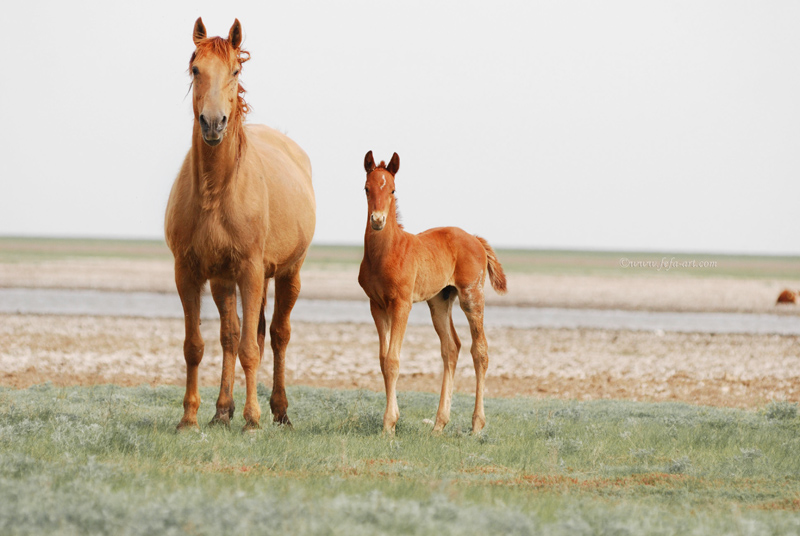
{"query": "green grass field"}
(552, 262)
(107, 460)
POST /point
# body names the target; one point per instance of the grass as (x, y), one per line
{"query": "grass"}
(548, 262)
(107, 460)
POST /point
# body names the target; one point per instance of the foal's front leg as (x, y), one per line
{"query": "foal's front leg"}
(251, 285)
(390, 366)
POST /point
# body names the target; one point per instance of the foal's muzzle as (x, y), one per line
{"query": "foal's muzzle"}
(377, 220)
(213, 129)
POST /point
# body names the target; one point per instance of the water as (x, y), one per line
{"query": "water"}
(156, 305)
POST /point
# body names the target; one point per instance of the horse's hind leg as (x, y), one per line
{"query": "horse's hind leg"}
(471, 298)
(287, 288)
(441, 307)
(224, 293)
(189, 290)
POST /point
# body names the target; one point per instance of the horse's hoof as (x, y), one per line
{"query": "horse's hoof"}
(283, 421)
(251, 427)
(221, 420)
(187, 425)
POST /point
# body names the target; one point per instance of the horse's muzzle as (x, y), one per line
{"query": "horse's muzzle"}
(213, 129)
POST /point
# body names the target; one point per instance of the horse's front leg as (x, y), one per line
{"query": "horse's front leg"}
(190, 289)
(398, 312)
(251, 285)
(224, 293)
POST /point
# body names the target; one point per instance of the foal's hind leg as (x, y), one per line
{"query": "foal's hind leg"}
(441, 307)
(471, 298)
(189, 290)
(224, 293)
(287, 288)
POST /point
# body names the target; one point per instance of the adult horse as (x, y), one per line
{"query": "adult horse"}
(435, 266)
(241, 211)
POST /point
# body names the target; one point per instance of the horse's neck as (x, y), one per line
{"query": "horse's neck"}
(216, 167)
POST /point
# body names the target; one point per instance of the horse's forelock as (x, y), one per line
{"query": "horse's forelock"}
(220, 48)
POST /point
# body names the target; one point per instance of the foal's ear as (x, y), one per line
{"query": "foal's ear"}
(235, 35)
(199, 31)
(394, 164)
(369, 162)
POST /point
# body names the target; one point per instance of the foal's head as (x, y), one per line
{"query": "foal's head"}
(217, 94)
(380, 189)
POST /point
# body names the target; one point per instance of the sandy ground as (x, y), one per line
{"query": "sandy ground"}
(723, 370)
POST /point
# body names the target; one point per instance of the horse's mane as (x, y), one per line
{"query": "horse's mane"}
(221, 48)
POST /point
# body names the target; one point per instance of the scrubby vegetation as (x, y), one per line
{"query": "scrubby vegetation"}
(107, 460)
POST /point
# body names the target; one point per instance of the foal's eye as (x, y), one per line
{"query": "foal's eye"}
(392, 192)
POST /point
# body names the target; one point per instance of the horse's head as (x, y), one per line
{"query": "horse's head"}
(380, 189)
(217, 95)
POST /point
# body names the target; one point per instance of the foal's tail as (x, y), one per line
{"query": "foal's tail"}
(496, 275)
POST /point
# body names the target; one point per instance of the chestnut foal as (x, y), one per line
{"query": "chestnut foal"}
(435, 266)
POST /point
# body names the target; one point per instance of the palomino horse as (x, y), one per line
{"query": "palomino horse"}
(437, 265)
(241, 211)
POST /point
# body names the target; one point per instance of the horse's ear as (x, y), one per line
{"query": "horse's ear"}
(394, 164)
(199, 31)
(369, 162)
(235, 35)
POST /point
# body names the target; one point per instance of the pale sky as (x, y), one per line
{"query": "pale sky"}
(637, 125)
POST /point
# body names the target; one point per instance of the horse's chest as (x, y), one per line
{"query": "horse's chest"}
(215, 248)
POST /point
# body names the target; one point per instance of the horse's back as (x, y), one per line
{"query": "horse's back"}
(283, 152)
(286, 170)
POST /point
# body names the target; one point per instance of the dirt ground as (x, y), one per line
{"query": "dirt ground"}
(742, 370)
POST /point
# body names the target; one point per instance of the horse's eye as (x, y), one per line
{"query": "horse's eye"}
(366, 189)
(236, 72)
(195, 71)
(392, 192)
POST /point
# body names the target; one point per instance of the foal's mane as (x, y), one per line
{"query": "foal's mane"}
(222, 49)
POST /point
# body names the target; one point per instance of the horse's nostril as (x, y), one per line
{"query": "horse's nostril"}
(203, 121)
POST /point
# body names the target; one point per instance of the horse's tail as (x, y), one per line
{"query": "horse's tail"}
(496, 275)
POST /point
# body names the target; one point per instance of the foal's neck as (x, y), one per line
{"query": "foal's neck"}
(380, 244)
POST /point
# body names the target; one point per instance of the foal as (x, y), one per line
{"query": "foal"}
(437, 265)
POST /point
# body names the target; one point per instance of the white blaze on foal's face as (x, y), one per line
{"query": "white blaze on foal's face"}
(380, 196)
